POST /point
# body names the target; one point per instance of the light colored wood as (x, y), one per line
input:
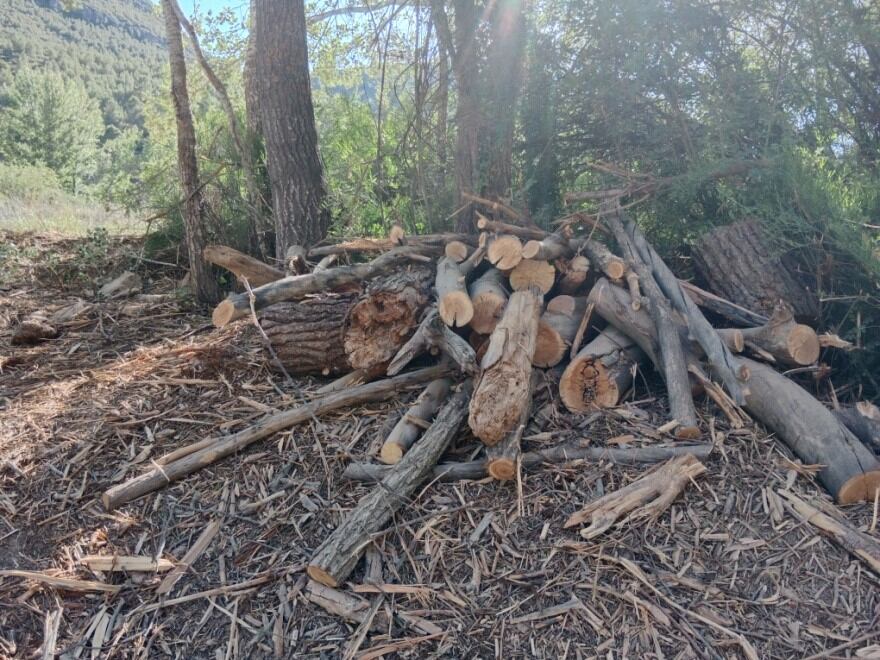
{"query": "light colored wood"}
(573, 274)
(786, 340)
(602, 258)
(488, 298)
(294, 261)
(242, 265)
(530, 272)
(457, 251)
(433, 335)
(557, 329)
(454, 303)
(503, 389)
(110, 563)
(195, 551)
(126, 284)
(549, 248)
(67, 584)
(407, 431)
(504, 251)
(501, 459)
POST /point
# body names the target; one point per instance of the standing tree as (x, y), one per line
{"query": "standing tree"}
(288, 123)
(204, 283)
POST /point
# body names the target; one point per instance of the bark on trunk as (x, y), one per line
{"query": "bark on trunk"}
(203, 279)
(501, 459)
(601, 372)
(288, 121)
(386, 316)
(434, 335)
(503, 389)
(557, 329)
(417, 419)
(736, 262)
(308, 335)
(337, 556)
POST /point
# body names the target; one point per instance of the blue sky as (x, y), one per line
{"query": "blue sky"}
(213, 5)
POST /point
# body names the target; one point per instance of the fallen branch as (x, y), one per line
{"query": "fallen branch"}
(241, 265)
(435, 336)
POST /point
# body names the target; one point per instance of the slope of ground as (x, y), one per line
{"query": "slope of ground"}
(727, 568)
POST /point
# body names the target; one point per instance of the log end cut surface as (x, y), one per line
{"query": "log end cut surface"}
(803, 345)
(502, 469)
(318, 574)
(550, 347)
(586, 384)
(223, 314)
(391, 453)
(505, 252)
(860, 488)
(456, 309)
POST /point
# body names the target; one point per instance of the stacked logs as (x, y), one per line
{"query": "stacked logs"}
(506, 317)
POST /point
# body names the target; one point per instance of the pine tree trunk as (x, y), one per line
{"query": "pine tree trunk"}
(288, 120)
(204, 282)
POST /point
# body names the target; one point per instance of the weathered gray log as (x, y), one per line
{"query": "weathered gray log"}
(864, 422)
(299, 286)
(337, 556)
(718, 305)
(410, 426)
(225, 446)
(472, 470)
(434, 335)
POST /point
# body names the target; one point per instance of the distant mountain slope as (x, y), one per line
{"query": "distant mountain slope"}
(116, 47)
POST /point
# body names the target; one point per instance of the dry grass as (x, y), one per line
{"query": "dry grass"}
(490, 565)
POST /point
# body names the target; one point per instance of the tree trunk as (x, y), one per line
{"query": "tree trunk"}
(308, 335)
(736, 262)
(386, 316)
(204, 282)
(288, 121)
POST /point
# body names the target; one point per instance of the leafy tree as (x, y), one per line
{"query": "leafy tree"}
(51, 121)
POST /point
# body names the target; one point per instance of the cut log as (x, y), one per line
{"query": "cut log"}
(126, 284)
(454, 303)
(645, 498)
(572, 274)
(503, 389)
(851, 472)
(504, 252)
(556, 330)
(549, 248)
(41, 325)
(602, 258)
(863, 420)
(601, 372)
(325, 263)
(432, 334)
(488, 298)
(526, 233)
(241, 265)
(397, 234)
(294, 261)
(458, 251)
(472, 470)
(386, 316)
(787, 341)
(356, 377)
(299, 286)
(137, 564)
(308, 335)
(416, 419)
(337, 556)
(530, 272)
(433, 244)
(225, 446)
(737, 262)
(501, 459)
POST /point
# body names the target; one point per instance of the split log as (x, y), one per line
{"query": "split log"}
(718, 305)
(572, 274)
(294, 261)
(225, 446)
(646, 498)
(474, 470)
(41, 325)
(549, 248)
(851, 472)
(504, 251)
(241, 265)
(787, 341)
(671, 349)
(501, 458)
(602, 258)
(299, 286)
(416, 419)
(454, 303)
(433, 244)
(737, 262)
(531, 272)
(488, 298)
(458, 251)
(601, 372)
(308, 335)
(337, 556)
(386, 316)
(863, 420)
(556, 330)
(503, 389)
(434, 335)
(858, 544)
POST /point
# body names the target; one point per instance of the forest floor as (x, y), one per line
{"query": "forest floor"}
(726, 568)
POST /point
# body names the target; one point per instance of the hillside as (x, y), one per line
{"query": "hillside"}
(116, 47)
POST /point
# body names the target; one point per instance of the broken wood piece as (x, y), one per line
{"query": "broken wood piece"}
(453, 301)
(406, 432)
(195, 551)
(572, 274)
(126, 284)
(299, 286)
(601, 372)
(473, 470)
(110, 563)
(501, 459)
(161, 476)
(66, 584)
(504, 251)
(645, 498)
(786, 340)
(517, 231)
(632, 283)
(858, 544)
(434, 334)
(829, 340)
(602, 258)
(488, 298)
(532, 272)
(356, 377)
(337, 556)
(34, 329)
(294, 261)
(503, 389)
(557, 329)
(386, 315)
(721, 306)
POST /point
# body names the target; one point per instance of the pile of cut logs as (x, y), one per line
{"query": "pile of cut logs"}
(485, 318)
